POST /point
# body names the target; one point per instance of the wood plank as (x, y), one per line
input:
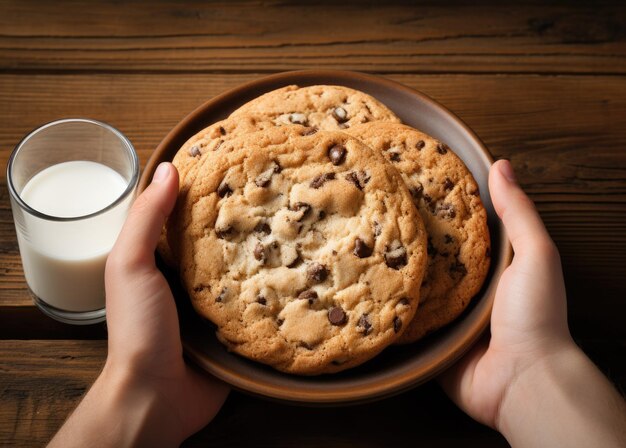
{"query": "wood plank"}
(420, 417)
(42, 381)
(564, 134)
(391, 36)
(27, 322)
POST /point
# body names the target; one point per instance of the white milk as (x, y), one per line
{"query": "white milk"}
(64, 260)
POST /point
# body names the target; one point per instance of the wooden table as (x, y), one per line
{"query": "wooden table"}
(542, 85)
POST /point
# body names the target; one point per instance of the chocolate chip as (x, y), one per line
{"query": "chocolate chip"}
(416, 190)
(320, 180)
(201, 288)
(321, 215)
(394, 156)
(301, 207)
(260, 253)
(263, 227)
(225, 232)
(309, 131)
(262, 300)
(279, 322)
(361, 249)
(448, 184)
(352, 177)
(298, 118)
(277, 167)
(442, 148)
(309, 295)
(430, 248)
(264, 179)
(222, 130)
(364, 324)
(340, 114)
(336, 316)
(377, 229)
(395, 255)
(458, 269)
(316, 272)
(224, 190)
(222, 295)
(359, 179)
(448, 239)
(337, 154)
(397, 324)
(445, 211)
(419, 145)
(194, 151)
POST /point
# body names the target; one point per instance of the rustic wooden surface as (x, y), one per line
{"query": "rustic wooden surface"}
(543, 85)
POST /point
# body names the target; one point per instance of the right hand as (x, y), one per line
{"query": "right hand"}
(530, 380)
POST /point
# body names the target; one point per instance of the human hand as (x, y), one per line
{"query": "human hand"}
(529, 380)
(158, 399)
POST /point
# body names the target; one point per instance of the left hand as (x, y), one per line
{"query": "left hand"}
(145, 383)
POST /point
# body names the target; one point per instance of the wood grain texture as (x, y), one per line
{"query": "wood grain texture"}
(255, 36)
(42, 381)
(564, 134)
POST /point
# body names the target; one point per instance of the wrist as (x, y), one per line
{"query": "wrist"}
(136, 410)
(562, 399)
(119, 411)
(532, 384)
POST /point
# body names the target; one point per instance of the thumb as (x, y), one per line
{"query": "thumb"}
(135, 245)
(530, 302)
(523, 224)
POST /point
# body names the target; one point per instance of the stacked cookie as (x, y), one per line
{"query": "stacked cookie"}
(314, 230)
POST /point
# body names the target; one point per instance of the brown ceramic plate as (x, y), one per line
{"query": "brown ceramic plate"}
(398, 368)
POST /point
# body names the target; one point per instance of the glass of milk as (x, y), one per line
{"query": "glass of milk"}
(71, 184)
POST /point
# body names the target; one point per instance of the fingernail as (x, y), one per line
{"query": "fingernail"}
(161, 173)
(507, 170)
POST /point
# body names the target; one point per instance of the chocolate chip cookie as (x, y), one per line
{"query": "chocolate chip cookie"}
(189, 156)
(320, 107)
(315, 107)
(305, 250)
(446, 195)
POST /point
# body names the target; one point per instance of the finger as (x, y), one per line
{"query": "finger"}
(523, 224)
(457, 380)
(140, 233)
(212, 394)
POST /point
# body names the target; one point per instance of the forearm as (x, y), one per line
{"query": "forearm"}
(563, 400)
(117, 412)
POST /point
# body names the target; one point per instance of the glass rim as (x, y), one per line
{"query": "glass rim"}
(132, 183)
